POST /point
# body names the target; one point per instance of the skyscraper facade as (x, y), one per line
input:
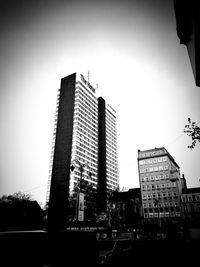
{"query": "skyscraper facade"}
(85, 131)
(160, 185)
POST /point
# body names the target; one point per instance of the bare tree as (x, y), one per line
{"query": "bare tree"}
(193, 130)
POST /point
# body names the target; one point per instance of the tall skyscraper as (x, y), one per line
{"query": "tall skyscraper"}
(160, 185)
(85, 131)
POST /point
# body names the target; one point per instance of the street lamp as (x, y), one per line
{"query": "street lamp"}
(80, 195)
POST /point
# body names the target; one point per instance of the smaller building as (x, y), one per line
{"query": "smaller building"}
(125, 209)
(190, 205)
(160, 184)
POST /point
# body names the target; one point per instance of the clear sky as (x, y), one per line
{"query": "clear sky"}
(131, 50)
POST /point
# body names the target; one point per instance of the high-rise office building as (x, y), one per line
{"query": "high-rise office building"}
(160, 185)
(85, 131)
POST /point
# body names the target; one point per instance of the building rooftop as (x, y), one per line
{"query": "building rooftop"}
(122, 196)
(192, 190)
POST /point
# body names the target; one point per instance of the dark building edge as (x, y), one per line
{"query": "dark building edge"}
(188, 32)
(102, 186)
(59, 190)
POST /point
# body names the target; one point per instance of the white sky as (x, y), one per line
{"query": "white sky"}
(132, 51)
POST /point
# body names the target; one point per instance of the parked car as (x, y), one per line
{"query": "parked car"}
(110, 250)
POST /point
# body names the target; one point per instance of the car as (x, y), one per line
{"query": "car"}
(110, 250)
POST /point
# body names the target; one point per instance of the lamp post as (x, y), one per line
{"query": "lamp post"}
(80, 195)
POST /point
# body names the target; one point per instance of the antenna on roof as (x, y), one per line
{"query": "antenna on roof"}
(88, 75)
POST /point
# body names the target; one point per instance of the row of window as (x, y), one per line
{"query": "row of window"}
(191, 208)
(78, 108)
(110, 119)
(158, 186)
(84, 120)
(85, 115)
(85, 157)
(111, 134)
(86, 147)
(85, 143)
(190, 198)
(155, 169)
(151, 153)
(82, 159)
(112, 155)
(110, 127)
(86, 153)
(76, 128)
(80, 101)
(86, 126)
(86, 90)
(155, 177)
(110, 113)
(162, 204)
(112, 175)
(112, 187)
(159, 195)
(112, 169)
(83, 137)
(153, 160)
(111, 161)
(112, 141)
(162, 214)
(110, 181)
(111, 147)
(81, 93)
(85, 177)
(84, 107)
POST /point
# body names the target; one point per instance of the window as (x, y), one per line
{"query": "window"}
(144, 187)
(148, 187)
(152, 178)
(155, 160)
(197, 197)
(160, 168)
(168, 185)
(189, 198)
